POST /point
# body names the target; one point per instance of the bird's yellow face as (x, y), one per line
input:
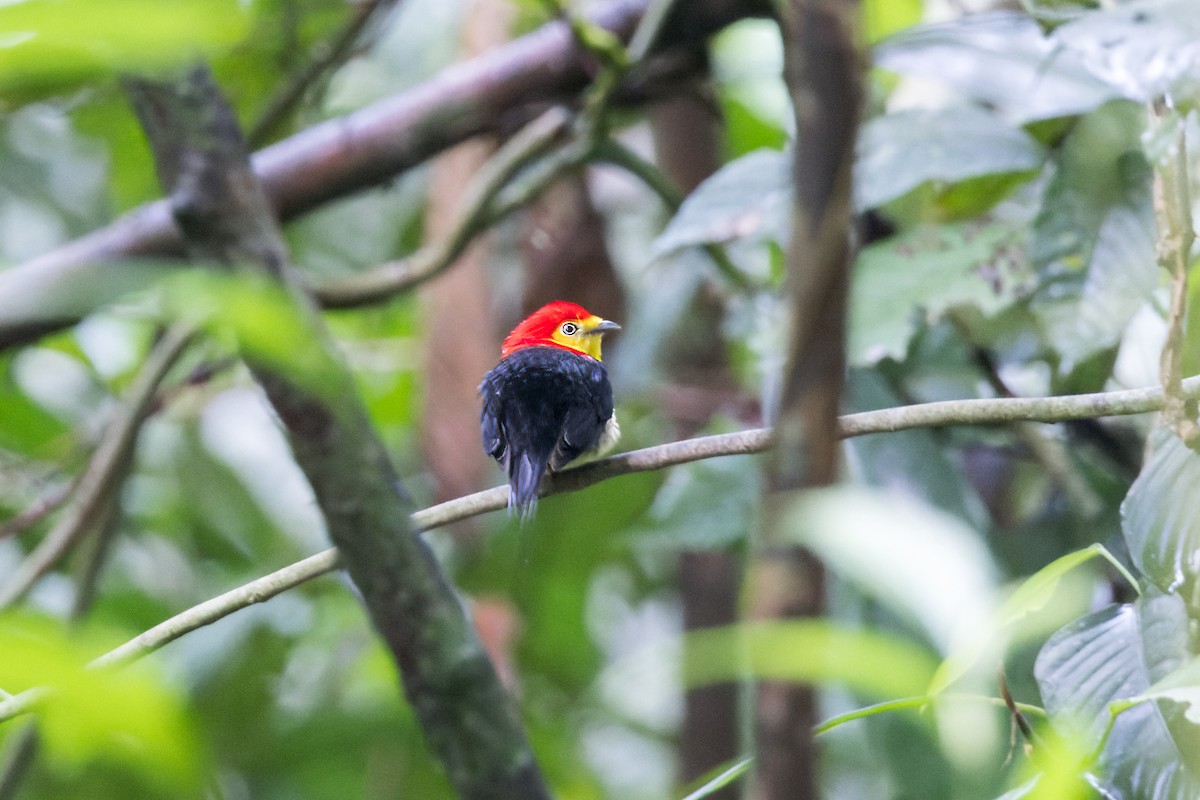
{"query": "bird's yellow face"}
(584, 334)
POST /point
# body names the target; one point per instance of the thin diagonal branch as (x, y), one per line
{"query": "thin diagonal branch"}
(1001, 411)
(481, 208)
(104, 472)
(329, 56)
(45, 505)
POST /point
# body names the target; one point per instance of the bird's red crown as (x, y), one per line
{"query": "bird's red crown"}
(567, 326)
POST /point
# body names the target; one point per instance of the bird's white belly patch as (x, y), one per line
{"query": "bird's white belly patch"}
(608, 440)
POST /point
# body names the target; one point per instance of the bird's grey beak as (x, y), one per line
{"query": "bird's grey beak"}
(604, 327)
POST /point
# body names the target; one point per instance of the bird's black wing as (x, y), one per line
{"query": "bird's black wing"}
(491, 425)
(590, 408)
(542, 407)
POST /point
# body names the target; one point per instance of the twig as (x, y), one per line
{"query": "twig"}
(94, 557)
(1173, 207)
(928, 415)
(43, 506)
(331, 55)
(649, 29)
(104, 472)
(1048, 451)
(479, 211)
(1014, 713)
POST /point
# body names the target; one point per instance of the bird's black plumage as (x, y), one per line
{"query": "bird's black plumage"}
(542, 407)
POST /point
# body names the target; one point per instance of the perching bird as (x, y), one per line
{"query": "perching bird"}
(548, 402)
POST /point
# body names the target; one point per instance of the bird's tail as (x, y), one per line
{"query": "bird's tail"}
(524, 477)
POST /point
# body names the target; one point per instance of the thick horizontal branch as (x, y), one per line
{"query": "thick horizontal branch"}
(371, 146)
(926, 415)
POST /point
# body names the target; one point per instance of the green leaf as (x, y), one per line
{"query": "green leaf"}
(1038, 589)
(884, 17)
(25, 427)
(725, 777)
(1063, 762)
(1094, 238)
(930, 270)
(1001, 59)
(808, 651)
(52, 45)
(899, 152)
(886, 707)
(1160, 517)
(126, 717)
(1022, 791)
(747, 199)
(1030, 597)
(267, 323)
(1145, 49)
(921, 562)
(1104, 662)
(1181, 686)
(704, 505)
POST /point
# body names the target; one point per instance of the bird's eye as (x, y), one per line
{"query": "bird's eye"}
(569, 329)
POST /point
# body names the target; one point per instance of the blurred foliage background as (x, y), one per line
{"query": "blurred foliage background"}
(1005, 184)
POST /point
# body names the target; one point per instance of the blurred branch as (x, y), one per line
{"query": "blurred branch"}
(1000, 411)
(330, 56)
(1050, 452)
(104, 473)
(369, 147)
(46, 504)
(481, 209)
(823, 70)
(463, 710)
(1173, 212)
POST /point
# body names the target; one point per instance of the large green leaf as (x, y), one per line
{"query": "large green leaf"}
(1002, 59)
(920, 561)
(704, 505)
(1021, 616)
(807, 651)
(1094, 237)
(1145, 49)
(928, 271)
(901, 151)
(264, 320)
(1181, 686)
(1160, 517)
(25, 427)
(51, 45)
(128, 718)
(1152, 751)
(884, 17)
(747, 199)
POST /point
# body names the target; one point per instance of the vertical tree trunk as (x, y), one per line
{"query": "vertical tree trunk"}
(823, 71)
(468, 720)
(686, 135)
